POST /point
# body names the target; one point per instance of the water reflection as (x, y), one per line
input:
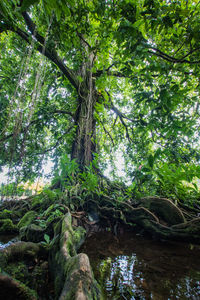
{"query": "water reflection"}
(132, 267)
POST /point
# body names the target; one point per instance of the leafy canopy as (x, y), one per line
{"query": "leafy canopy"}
(145, 71)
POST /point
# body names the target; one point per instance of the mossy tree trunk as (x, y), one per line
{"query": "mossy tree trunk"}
(84, 144)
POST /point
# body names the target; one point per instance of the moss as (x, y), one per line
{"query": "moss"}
(24, 262)
(80, 281)
(18, 270)
(21, 251)
(57, 227)
(74, 238)
(13, 289)
(68, 267)
(70, 248)
(29, 293)
(164, 209)
(78, 237)
(32, 233)
(27, 219)
(5, 214)
(7, 226)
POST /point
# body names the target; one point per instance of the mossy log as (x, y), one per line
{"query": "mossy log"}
(69, 268)
(19, 251)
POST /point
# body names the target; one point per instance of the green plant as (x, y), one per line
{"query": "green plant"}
(48, 242)
(89, 179)
(178, 182)
(67, 169)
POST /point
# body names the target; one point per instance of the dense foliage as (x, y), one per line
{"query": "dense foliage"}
(86, 80)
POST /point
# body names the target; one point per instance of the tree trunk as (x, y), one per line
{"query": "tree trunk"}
(84, 144)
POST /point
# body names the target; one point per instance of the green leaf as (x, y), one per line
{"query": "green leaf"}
(27, 3)
(157, 153)
(47, 238)
(151, 161)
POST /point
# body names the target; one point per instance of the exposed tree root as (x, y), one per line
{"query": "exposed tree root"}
(160, 217)
(21, 250)
(71, 272)
(24, 270)
(12, 289)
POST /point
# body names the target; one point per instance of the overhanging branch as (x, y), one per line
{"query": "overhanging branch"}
(42, 47)
(108, 133)
(172, 59)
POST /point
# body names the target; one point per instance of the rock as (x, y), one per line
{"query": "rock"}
(19, 251)
(35, 233)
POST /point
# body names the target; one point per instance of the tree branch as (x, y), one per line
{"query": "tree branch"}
(172, 59)
(42, 48)
(5, 138)
(108, 133)
(32, 27)
(58, 111)
(120, 115)
(83, 40)
(110, 73)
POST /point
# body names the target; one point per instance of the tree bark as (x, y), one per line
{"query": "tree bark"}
(84, 145)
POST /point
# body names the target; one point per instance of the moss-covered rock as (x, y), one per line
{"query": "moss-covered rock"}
(7, 226)
(19, 251)
(27, 219)
(35, 233)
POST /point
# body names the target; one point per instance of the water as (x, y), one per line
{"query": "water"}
(134, 267)
(6, 240)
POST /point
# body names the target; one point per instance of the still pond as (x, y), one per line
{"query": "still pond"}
(136, 267)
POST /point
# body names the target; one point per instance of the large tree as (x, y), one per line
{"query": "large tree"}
(84, 80)
(89, 77)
